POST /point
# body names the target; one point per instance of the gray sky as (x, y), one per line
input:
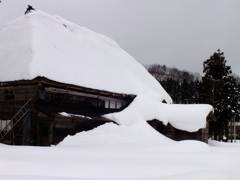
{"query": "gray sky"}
(177, 33)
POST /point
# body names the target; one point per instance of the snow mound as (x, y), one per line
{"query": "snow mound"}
(186, 146)
(223, 144)
(112, 134)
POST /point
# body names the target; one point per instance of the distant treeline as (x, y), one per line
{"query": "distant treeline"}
(181, 85)
(163, 72)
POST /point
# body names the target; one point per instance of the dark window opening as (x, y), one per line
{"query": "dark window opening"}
(45, 131)
(9, 94)
(71, 99)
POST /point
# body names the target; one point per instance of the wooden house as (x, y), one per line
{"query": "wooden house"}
(57, 78)
(43, 112)
(178, 134)
(33, 112)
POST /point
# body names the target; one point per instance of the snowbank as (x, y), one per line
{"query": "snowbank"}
(223, 144)
(116, 152)
(112, 134)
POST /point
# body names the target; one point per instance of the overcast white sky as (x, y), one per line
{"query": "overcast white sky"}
(177, 33)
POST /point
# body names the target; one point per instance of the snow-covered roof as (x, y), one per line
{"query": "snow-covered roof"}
(39, 44)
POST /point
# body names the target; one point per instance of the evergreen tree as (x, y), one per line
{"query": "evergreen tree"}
(173, 88)
(193, 89)
(220, 89)
(185, 94)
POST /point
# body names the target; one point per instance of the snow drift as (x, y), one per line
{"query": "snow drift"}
(39, 44)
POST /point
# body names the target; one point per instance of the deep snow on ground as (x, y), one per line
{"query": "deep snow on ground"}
(119, 152)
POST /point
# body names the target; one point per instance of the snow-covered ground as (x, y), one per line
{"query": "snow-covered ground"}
(119, 152)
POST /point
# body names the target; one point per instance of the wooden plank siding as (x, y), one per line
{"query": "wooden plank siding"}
(13, 98)
(44, 124)
(178, 135)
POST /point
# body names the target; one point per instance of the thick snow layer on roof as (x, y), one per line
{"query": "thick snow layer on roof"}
(184, 117)
(39, 44)
(188, 117)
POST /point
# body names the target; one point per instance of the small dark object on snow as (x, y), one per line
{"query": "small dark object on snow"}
(29, 9)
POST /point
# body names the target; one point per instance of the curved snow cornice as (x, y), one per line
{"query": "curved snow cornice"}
(39, 44)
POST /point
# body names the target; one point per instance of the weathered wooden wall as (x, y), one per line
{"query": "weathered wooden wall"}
(44, 126)
(178, 135)
(13, 98)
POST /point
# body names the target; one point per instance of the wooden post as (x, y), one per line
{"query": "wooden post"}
(74, 126)
(51, 132)
(38, 134)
